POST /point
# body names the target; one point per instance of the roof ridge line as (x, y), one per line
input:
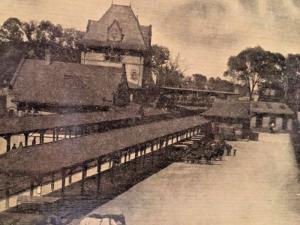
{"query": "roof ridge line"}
(139, 26)
(16, 73)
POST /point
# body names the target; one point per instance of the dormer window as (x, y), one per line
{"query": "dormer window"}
(114, 33)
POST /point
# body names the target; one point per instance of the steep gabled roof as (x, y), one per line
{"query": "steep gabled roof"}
(65, 84)
(135, 37)
(147, 34)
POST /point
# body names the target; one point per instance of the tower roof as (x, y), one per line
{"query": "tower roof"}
(118, 21)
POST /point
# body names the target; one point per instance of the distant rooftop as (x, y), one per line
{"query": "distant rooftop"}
(198, 90)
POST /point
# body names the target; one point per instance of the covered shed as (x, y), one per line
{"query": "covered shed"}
(265, 113)
(229, 116)
(43, 164)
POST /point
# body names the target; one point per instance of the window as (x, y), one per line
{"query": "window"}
(259, 121)
(112, 56)
(134, 75)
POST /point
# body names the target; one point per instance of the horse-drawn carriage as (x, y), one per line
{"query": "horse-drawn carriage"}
(199, 151)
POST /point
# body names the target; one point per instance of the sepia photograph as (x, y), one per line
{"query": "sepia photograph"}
(138, 112)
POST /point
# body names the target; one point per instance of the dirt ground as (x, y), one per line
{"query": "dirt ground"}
(257, 187)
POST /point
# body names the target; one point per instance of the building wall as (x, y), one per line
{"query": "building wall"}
(278, 120)
(134, 65)
(8, 105)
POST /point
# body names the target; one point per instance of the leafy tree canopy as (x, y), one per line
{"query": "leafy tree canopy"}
(253, 66)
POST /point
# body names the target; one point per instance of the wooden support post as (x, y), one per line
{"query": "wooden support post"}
(65, 132)
(31, 187)
(75, 132)
(125, 157)
(53, 135)
(160, 144)
(8, 142)
(42, 134)
(136, 151)
(26, 136)
(99, 162)
(145, 152)
(70, 176)
(152, 153)
(63, 181)
(142, 154)
(84, 171)
(57, 134)
(129, 154)
(70, 133)
(177, 137)
(6, 198)
(52, 182)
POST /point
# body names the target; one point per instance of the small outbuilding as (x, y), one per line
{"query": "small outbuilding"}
(230, 118)
(263, 114)
(241, 116)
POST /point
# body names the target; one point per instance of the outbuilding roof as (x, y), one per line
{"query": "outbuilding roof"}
(271, 108)
(134, 36)
(243, 109)
(65, 84)
(232, 109)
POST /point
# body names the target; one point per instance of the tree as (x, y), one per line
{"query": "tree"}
(171, 74)
(31, 39)
(292, 74)
(156, 61)
(254, 66)
(219, 84)
(200, 81)
(167, 70)
(12, 31)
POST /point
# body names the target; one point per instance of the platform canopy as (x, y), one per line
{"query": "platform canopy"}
(19, 125)
(45, 159)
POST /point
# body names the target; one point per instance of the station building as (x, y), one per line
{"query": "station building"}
(118, 38)
(113, 52)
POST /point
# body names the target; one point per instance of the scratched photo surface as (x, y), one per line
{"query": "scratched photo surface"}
(149, 112)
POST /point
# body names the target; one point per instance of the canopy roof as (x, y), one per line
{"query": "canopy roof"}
(34, 123)
(43, 159)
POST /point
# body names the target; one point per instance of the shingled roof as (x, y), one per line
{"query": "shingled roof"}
(231, 109)
(271, 108)
(135, 36)
(65, 84)
(43, 159)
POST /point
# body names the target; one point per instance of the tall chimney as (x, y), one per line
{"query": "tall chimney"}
(47, 57)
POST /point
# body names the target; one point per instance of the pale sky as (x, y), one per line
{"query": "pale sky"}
(204, 32)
